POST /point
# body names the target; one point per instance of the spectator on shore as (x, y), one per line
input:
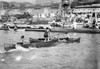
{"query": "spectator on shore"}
(15, 27)
(22, 38)
(94, 24)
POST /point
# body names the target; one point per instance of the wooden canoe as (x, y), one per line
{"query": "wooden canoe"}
(4, 28)
(35, 29)
(61, 39)
(36, 44)
(44, 44)
(71, 40)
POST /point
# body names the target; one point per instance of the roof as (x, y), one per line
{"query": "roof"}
(89, 6)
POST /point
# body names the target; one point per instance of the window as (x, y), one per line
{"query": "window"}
(93, 15)
(98, 15)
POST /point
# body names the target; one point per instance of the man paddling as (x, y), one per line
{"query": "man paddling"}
(67, 36)
(22, 40)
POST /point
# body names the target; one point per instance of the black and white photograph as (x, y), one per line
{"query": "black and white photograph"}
(49, 34)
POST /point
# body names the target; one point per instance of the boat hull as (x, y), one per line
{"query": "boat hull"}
(39, 43)
(71, 40)
(45, 44)
(36, 44)
(35, 29)
(4, 28)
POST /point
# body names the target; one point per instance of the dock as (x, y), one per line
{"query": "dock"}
(65, 30)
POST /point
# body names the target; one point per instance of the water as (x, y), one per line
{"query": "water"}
(81, 55)
(12, 36)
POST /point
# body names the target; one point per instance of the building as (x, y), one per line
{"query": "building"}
(14, 4)
(87, 8)
(27, 4)
(4, 5)
(47, 2)
(91, 12)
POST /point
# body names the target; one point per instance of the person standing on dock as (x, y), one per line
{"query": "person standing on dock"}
(94, 24)
(74, 24)
(15, 27)
(47, 34)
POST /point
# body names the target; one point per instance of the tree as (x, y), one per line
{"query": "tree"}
(22, 6)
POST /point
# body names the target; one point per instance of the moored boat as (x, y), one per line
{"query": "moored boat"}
(34, 29)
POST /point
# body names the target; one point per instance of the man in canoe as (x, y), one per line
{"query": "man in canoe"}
(22, 40)
(47, 34)
(67, 36)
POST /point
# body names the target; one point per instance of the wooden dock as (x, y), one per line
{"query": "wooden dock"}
(64, 30)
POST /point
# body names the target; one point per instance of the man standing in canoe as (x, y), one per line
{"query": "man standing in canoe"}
(47, 34)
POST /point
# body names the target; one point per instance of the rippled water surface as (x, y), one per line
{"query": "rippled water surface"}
(62, 56)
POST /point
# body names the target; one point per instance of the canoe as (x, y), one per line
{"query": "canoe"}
(71, 40)
(44, 44)
(4, 28)
(39, 43)
(9, 47)
(35, 29)
(27, 45)
(13, 46)
(32, 40)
